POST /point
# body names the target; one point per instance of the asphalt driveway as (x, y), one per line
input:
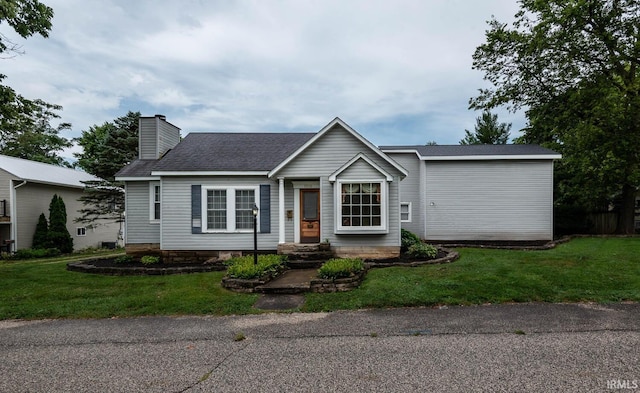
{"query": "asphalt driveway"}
(510, 348)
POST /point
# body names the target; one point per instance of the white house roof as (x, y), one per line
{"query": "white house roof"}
(44, 173)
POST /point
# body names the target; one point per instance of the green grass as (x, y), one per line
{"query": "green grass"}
(592, 269)
(585, 269)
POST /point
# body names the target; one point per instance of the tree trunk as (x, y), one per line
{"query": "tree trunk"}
(626, 218)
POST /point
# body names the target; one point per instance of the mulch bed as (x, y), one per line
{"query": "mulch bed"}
(444, 256)
(108, 266)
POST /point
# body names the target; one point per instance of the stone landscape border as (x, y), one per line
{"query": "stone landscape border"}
(87, 267)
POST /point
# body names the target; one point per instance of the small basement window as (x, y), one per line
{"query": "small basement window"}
(405, 212)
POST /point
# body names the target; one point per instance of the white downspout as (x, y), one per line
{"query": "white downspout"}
(14, 213)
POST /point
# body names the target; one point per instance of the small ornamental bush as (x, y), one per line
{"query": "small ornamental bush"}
(341, 267)
(243, 267)
(421, 250)
(149, 259)
(123, 259)
(408, 239)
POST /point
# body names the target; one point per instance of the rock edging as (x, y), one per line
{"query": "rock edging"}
(450, 257)
(87, 267)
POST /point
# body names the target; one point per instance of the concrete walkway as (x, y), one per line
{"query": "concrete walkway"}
(291, 281)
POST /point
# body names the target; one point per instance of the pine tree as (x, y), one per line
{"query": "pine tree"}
(58, 234)
(40, 237)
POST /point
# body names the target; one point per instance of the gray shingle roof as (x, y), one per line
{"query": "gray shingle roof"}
(234, 152)
(137, 168)
(474, 150)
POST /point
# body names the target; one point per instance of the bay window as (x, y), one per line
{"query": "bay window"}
(361, 206)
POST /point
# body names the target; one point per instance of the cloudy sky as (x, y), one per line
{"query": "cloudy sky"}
(399, 72)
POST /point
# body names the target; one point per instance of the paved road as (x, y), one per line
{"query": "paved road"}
(581, 348)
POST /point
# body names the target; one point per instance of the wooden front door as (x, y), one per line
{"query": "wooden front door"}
(310, 216)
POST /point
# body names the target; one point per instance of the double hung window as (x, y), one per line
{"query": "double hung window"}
(229, 209)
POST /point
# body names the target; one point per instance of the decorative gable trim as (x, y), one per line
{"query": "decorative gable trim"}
(324, 130)
(360, 156)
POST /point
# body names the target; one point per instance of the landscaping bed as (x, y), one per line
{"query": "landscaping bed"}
(111, 266)
(443, 255)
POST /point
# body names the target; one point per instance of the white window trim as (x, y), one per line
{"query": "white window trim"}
(408, 204)
(84, 231)
(384, 218)
(152, 202)
(231, 208)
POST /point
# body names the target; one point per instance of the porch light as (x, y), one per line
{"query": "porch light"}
(254, 210)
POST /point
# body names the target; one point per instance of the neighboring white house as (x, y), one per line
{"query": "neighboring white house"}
(26, 190)
(193, 198)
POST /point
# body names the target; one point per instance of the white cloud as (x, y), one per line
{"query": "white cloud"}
(392, 68)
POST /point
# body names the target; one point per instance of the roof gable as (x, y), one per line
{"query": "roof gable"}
(40, 172)
(326, 129)
(358, 157)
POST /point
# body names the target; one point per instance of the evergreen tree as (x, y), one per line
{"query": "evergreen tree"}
(40, 237)
(106, 149)
(487, 131)
(58, 234)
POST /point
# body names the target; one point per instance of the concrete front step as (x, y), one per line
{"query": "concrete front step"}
(306, 264)
(290, 282)
(298, 251)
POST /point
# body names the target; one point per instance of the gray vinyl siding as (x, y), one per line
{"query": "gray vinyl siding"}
(324, 157)
(139, 229)
(5, 194)
(157, 136)
(489, 200)
(410, 190)
(34, 199)
(176, 216)
(5, 189)
(148, 147)
(168, 137)
(328, 154)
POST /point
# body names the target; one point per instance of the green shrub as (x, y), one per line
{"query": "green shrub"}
(123, 259)
(408, 239)
(58, 236)
(421, 250)
(149, 259)
(341, 267)
(33, 253)
(243, 267)
(40, 239)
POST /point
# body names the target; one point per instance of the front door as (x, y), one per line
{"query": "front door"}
(310, 216)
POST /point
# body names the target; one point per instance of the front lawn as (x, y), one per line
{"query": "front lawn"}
(585, 269)
(590, 269)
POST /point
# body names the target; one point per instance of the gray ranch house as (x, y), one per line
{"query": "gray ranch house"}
(193, 199)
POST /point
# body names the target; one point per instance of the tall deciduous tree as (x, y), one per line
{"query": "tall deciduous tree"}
(25, 125)
(575, 66)
(487, 131)
(106, 149)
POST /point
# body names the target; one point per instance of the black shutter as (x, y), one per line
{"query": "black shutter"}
(265, 208)
(196, 208)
